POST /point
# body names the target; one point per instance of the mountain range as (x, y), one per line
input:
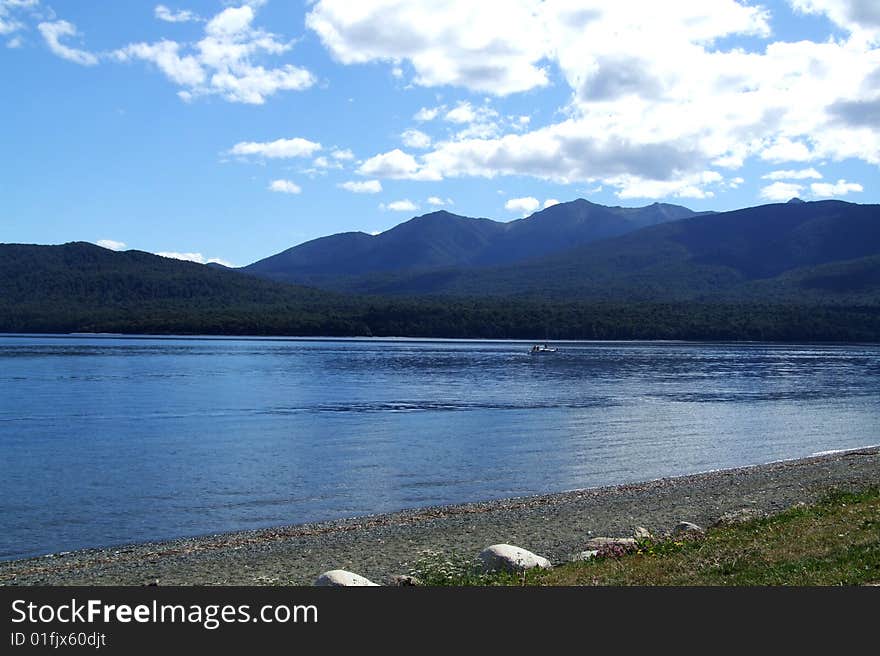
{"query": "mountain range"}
(577, 270)
(442, 240)
(823, 251)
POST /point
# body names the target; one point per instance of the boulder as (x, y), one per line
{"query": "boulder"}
(508, 558)
(339, 578)
(584, 556)
(641, 533)
(687, 529)
(598, 543)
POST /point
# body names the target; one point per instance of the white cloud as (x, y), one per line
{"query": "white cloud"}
(163, 13)
(550, 202)
(278, 149)
(8, 26)
(839, 188)
(427, 114)
(53, 32)
(781, 191)
(524, 206)
(436, 201)
(413, 138)
(646, 115)
(861, 17)
(284, 187)
(223, 62)
(365, 187)
(198, 258)
(396, 164)
(480, 121)
(111, 244)
(484, 46)
(323, 162)
(801, 174)
(786, 150)
(11, 13)
(185, 71)
(342, 154)
(463, 112)
(684, 186)
(399, 206)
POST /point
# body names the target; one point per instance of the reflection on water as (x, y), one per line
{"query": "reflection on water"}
(110, 440)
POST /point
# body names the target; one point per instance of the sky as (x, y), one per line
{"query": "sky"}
(228, 131)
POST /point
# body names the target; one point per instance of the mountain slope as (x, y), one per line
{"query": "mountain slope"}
(83, 287)
(759, 253)
(441, 240)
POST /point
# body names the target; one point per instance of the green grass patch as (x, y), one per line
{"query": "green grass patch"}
(833, 542)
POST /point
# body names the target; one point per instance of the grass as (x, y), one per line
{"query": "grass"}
(833, 542)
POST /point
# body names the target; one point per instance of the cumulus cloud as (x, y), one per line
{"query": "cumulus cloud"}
(399, 206)
(396, 164)
(413, 138)
(786, 150)
(111, 244)
(427, 114)
(183, 70)
(801, 174)
(278, 149)
(53, 32)
(436, 201)
(550, 202)
(861, 17)
(839, 188)
(646, 115)
(365, 187)
(284, 187)
(163, 13)
(225, 61)
(525, 206)
(484, 46)
(781, 191)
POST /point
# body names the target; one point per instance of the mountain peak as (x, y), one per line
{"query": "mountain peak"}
(794, 201)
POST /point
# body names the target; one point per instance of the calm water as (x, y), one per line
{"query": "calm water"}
(106, 441)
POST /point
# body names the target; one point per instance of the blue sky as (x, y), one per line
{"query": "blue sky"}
(233, 130)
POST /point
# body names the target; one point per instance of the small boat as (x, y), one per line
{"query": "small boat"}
(543, 348)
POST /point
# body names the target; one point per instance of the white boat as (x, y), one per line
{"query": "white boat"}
(543, 348)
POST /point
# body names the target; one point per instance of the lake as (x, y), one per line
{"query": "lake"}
(109, 440)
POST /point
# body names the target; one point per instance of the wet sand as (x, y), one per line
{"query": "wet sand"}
(380, 546)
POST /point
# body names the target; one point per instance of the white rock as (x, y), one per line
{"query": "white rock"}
(506, 557)
(584, 555)
(641, 533)
(339, 577)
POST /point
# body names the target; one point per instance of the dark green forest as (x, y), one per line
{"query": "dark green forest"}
(83, 288)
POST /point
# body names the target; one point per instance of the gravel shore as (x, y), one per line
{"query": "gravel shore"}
(379, 546)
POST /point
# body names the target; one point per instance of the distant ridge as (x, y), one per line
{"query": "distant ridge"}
(821, 251)
(442, 240)
(817, 251)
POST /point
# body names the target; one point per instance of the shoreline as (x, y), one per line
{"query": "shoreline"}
(380, 546)
(435, 339)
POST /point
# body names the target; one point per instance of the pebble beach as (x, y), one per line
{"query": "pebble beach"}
(382, 546)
